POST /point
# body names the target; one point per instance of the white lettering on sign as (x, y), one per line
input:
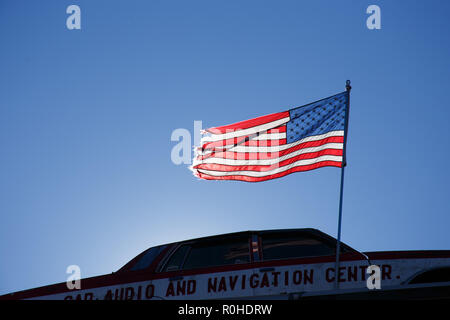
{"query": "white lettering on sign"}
(281, 280)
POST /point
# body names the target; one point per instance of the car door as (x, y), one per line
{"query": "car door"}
(213, 268)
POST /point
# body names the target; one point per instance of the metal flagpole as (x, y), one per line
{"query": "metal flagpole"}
(344, 163)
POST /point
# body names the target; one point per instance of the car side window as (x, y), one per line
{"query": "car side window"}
(204, 254)
(219, 253)
(293, 245)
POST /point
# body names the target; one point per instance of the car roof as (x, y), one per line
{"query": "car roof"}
(312, 231)
(247, 233)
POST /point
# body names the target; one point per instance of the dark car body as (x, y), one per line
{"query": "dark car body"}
(274, 264)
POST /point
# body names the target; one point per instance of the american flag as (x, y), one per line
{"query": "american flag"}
(275, 145)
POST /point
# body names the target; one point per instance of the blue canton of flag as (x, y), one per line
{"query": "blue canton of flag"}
(317, 118)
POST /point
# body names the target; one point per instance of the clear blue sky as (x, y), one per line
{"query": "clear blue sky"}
(86, 118)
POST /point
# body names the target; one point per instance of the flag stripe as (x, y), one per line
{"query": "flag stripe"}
(336, 141)
(269, 159)
(229, 143)
(205, 175)
(250, 173)
(268, 143)
(257, 148)
(249, 123)
(269, 135)
(253, 166)
(286, 146)
(245, 132)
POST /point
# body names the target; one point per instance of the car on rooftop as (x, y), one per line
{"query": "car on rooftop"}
(266, 264)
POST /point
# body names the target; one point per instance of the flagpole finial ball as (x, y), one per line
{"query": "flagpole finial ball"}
(347, 85)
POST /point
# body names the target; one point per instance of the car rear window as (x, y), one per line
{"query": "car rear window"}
(288, 246)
